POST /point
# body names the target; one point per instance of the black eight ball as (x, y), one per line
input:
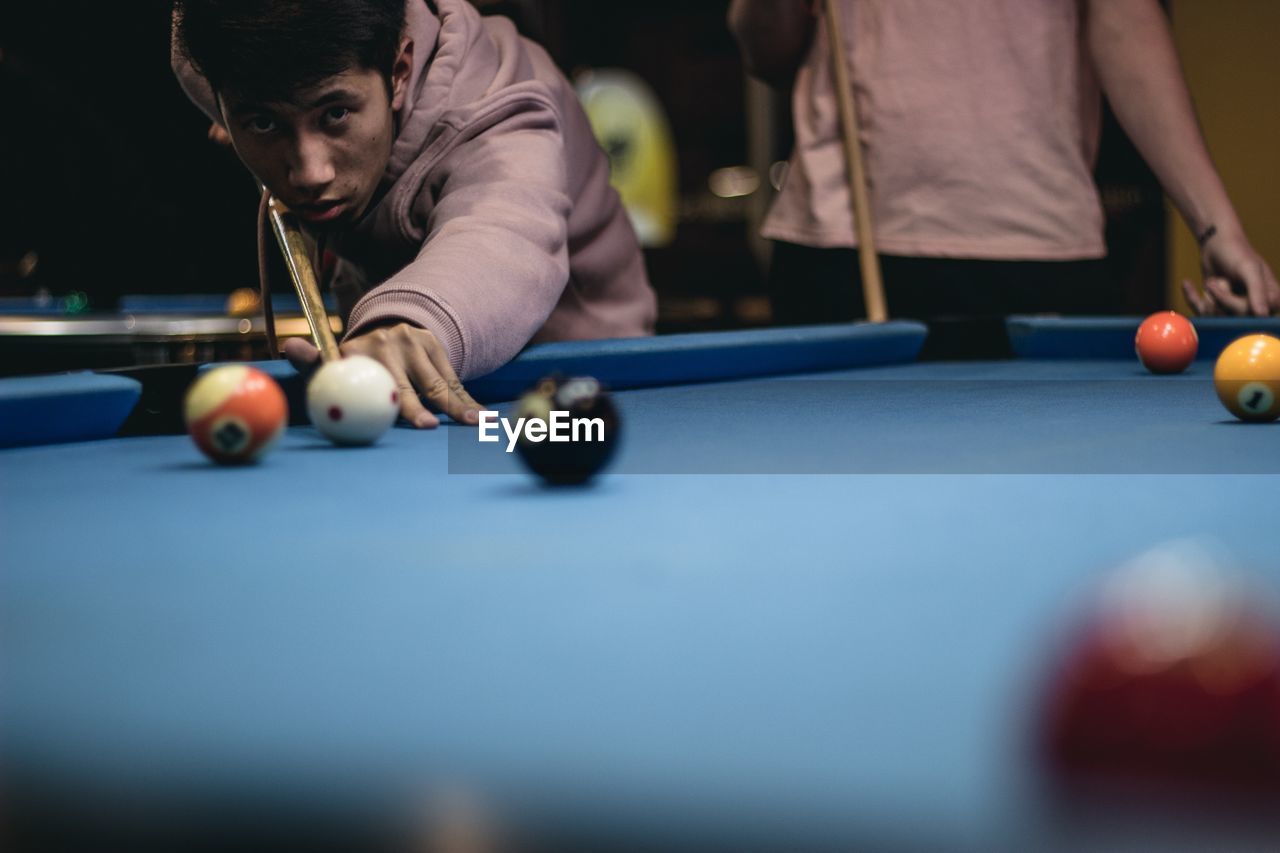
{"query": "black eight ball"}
(568, 462)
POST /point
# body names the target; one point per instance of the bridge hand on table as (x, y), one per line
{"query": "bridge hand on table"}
(418, 363)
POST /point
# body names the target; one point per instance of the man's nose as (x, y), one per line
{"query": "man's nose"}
(311, 168)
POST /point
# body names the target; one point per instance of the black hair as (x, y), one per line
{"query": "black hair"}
(269, 50)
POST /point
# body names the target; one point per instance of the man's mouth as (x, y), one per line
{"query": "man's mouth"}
(321, 211)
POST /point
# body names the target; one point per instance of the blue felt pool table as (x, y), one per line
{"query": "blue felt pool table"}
(815, 601)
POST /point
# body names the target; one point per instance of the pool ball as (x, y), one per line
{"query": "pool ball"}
(1166, 342)
(1173, 673)
(353, 400)
(593, 438)
(235, 413)
(1247, 378)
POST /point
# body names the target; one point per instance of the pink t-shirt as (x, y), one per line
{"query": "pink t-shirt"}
(979, 126)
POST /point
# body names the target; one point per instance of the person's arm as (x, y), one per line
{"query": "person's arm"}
(495, 257)
(1137, 64)
(773, 35)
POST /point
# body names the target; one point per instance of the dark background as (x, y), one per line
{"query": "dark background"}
(105, 171)
(108, 182)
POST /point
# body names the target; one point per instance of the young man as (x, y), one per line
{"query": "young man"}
(445, 167)
(981, 122)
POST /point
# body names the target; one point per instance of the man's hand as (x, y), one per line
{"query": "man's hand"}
(419, 365)
(1236, 279)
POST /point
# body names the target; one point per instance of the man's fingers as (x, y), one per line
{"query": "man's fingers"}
(1270, 291)
(1198, 301)
(1220, 289)
(1255, 288)
(470, 409)
(411, 408)
(301, 354)
(439, 358)
(442, 388)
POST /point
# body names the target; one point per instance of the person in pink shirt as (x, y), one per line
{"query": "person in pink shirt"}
(979, 127)
(443, 164)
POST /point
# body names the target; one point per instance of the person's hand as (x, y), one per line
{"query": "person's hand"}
(419, 365)
(1236, 279)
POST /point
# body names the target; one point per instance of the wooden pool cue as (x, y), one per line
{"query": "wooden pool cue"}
(872, 283)
(297, 258)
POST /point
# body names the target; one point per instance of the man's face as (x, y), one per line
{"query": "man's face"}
(324, 152)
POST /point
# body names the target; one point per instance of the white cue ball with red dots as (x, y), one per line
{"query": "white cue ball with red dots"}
(353, 400)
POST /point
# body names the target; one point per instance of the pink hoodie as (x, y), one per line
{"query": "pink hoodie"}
(499, 227)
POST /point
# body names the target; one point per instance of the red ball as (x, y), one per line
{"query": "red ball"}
(1174, 675)
(1166, 342)
(235, 413)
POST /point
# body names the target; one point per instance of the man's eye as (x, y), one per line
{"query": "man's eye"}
(336, 115)
(260, 124)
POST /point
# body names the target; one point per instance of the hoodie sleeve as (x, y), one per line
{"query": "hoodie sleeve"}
(494, 261)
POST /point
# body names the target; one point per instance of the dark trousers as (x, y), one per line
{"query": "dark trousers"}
(963, 301)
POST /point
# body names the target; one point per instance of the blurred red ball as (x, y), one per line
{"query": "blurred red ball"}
(1175, 674)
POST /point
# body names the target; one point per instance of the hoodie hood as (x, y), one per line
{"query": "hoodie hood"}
(465, 58)
(427, 97)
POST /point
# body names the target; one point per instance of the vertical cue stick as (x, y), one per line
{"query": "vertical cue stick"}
(296, 258)
(872, 283)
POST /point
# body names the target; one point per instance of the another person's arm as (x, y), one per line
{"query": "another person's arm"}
(1137, 64)
(773, 35)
